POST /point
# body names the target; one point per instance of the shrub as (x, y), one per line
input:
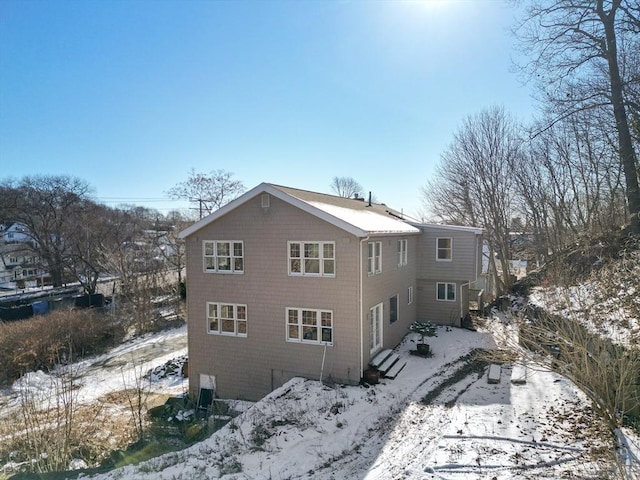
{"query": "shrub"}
(60, 337)
(424, 329)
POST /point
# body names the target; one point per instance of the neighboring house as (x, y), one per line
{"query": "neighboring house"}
(19, 265)
(16, 233)
(284, 282)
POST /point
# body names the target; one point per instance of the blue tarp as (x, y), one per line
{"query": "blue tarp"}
(41, 307)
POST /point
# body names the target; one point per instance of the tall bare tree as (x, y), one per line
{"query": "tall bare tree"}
(208, 191)
(584, 56)
(473, 184)
(572, 183)
(86, 244)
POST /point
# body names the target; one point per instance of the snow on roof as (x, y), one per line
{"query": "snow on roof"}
(460, 228)
(367, 220)
(353, 215)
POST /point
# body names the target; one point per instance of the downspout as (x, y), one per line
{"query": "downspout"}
(361, 307)
(472, 281)
(324, 354)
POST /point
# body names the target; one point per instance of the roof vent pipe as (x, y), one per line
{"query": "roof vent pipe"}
(369, 198)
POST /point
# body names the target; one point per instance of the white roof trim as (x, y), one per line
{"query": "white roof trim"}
(457, 228)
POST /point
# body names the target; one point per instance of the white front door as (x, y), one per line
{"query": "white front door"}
(375, 328)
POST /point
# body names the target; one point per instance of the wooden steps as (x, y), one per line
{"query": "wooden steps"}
(379, 358)
(388, 364)
(395, 370)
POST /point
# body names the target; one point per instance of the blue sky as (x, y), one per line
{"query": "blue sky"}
(130, 95)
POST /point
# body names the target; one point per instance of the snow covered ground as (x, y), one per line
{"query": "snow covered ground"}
(113, 371)
(610, 317)
(472, 430)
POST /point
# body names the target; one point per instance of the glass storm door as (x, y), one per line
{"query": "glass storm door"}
(375, 328)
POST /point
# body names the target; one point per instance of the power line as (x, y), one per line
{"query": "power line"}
(139, 199)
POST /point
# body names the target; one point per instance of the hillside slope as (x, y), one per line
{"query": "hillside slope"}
(472, 429)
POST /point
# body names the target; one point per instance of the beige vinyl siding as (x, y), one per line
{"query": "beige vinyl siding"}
(393, 280)
(465, 258)
(442, 312)
(461, 270)
(251, 367)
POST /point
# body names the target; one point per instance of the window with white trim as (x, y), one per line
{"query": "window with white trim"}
(223, 256)
(374, 257)
(393, 309)
(227, 319)
(314, 259)
(402, 253)
(307, 325)
(444, 249)
(446, 291)
(375, 326)
(410, 295)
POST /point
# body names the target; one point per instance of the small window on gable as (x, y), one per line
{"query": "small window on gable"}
(444, 249)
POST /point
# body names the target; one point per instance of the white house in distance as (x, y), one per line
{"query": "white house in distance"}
(19, 265)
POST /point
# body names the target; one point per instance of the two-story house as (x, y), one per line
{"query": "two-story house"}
(19, 263)
(284, 282)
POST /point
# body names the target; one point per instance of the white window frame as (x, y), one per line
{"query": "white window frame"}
(216, 256)
(397, 302)
(376, 325)
(448, 288)
(374, 258)
(402, 252)
(440, 249)
(295, 321)
(214, 312)
(410, 295)
(326, 262)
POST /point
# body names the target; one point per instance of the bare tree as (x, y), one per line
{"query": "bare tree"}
(584, 56)
(137, 389)
(208, 192)
(49, 208)
(473, 183)
(346, 187)
(131, 252)
(86, 243)
(49, 422)
(571, 184)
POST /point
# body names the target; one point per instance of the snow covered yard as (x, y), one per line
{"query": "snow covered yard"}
(614, 317)
(113, 371)
(96, 386)
(305, 430)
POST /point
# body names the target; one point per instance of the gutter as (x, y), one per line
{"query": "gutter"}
(360, 281)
